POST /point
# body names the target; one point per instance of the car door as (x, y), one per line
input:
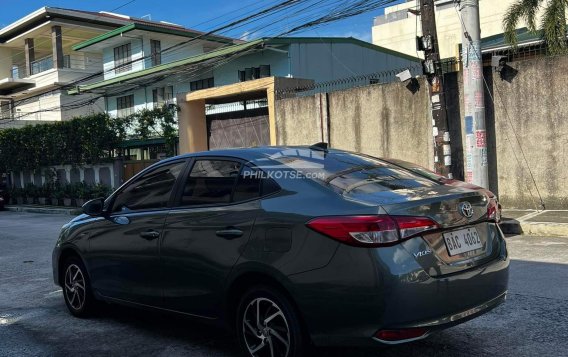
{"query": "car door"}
(206, 233)
(123, 253)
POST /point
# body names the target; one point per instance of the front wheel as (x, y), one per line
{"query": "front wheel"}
(76, 288)
(268, 325)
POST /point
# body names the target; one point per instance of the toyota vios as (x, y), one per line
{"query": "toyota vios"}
(289, 246)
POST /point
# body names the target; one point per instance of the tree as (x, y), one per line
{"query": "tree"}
(552, 26)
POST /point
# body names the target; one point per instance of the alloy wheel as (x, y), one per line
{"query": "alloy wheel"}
(74, 289)
(265, 328)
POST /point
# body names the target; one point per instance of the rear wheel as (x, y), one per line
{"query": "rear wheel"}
(76, 288)
(268, 325)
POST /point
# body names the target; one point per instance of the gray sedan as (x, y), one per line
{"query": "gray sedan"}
(289, 246)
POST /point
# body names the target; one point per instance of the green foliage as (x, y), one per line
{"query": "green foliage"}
(30, 191)
(84, 140)
(552, 26)
(99, 190)
(151, 123)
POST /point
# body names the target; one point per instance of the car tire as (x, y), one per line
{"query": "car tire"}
(77, 288)
(266, 321)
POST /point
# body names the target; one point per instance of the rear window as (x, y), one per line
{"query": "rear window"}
(351, 173)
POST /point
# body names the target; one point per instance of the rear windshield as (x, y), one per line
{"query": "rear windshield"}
(352, 173)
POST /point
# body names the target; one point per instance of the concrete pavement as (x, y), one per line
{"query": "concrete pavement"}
(550, 223)
(34, 320)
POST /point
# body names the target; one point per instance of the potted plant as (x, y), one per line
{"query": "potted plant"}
(44, 194)
(68, 193)
(100, 190)
(57, 196)
(30, 193)
(83, 194)
(18, 196)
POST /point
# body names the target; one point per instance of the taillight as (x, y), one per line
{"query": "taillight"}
(411, 226)
(371, 231)
(493, 211)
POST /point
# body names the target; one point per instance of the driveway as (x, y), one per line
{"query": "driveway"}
(34, 320)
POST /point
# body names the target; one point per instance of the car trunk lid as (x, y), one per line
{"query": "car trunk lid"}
(465, 239)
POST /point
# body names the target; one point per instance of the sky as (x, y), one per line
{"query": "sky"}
(189, 13)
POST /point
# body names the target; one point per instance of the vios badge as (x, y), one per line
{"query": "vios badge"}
(466, 209)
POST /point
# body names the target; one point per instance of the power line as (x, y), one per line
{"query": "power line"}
(335, 14)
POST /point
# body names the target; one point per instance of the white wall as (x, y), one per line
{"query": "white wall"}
(401, 35)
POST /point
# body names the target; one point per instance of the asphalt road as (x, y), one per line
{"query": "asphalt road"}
(34, 320)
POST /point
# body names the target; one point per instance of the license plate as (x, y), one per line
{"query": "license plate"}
(462, 241)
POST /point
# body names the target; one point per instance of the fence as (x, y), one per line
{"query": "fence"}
(347, 83)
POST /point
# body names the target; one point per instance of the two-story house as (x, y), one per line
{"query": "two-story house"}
(145, 68)
(38, 63)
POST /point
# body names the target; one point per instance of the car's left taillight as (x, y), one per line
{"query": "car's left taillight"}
(493, 212)
(371, 231)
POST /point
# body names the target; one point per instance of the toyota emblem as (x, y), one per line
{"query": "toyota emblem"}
(466, 209)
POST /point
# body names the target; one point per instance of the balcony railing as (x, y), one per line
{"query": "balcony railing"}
(46, 63)
(42, 65)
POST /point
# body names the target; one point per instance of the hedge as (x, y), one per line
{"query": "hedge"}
(83, 140)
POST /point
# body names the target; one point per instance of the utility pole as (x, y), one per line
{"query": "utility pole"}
(433, 71)
(474, 101)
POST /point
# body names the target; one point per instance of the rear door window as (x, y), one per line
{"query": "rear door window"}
(210, 182)
(214, 182)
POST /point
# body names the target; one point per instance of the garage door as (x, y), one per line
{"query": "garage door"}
(238, 129)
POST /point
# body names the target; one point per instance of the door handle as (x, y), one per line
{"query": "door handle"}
(151, 234)
(230, 233)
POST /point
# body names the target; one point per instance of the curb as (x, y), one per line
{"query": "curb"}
(61, 211)
(547, 229)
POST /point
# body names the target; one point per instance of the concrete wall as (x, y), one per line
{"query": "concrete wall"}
(527, 130)
(379, 120)
(108, 174)
(533, 106)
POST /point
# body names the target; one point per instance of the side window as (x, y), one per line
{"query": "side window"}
(248, 185)
(253, 184)
(210, 182)
(150, 191)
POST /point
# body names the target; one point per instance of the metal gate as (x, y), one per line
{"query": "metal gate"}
(133, 167)
(243, 128)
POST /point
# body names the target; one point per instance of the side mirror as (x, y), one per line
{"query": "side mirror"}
(94, 207)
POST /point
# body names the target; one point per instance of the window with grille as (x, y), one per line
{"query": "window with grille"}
(122, 58)
(249, 74)
(161, 96)
(125, 105)
(156, 52)
(202, 84)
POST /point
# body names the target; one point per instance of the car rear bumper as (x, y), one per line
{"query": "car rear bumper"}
(448, 321)
(362, 291)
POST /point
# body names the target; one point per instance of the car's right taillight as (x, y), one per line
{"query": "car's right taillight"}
(371, 231)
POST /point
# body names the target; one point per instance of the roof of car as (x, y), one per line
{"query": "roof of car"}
(250, 153)
(254, 153)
